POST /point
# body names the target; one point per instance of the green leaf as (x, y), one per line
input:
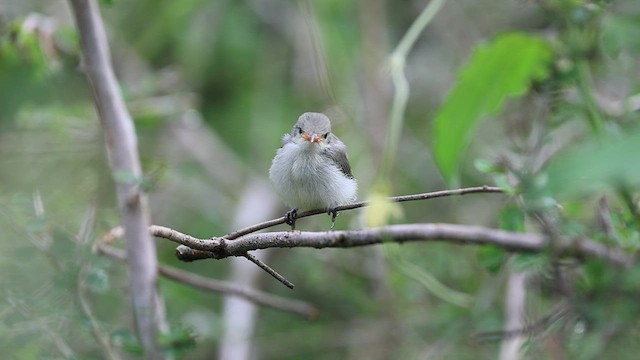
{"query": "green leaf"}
(506, 67)
(492, 258)
(485, 166)
(534, 262)
(97, 280)
(620, 32)
(127, 341)
(600, 163)
(512, 218)
(178, 340)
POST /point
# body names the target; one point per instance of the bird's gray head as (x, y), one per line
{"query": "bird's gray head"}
(312, 127)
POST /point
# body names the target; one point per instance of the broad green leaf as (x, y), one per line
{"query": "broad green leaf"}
(601, 163)
(506, 67)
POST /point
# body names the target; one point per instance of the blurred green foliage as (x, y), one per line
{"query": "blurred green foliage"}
(504, 68)
(213, 85)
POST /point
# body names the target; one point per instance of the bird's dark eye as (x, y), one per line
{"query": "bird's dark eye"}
(325, 135)
(299, 130)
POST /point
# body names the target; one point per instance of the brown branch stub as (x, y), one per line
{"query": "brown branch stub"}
(187, 254)
(188, 240)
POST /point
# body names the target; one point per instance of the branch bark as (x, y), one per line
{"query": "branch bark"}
(219, 248)
(240, 242)
(121, 144)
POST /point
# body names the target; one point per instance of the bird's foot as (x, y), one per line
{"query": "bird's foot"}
(290, 218)
(334, 214)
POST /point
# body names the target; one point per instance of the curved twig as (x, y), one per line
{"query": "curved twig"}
(423, 196)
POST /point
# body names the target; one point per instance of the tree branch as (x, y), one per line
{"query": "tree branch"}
(121, 144)
(240, 242)
(201, 282)
(269, 270)
(219, 248)
(413, 197)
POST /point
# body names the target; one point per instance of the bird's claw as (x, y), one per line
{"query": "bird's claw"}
(334, 214)
(290, 218)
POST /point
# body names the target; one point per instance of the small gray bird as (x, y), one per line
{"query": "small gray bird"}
(311, 170)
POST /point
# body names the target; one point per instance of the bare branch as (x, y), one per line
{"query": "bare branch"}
(356, 205)
(201, 282)
(219, 248)
(121, 143)
(269, 270)
(173, 235)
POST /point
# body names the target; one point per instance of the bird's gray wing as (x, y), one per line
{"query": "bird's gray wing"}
(338, 154)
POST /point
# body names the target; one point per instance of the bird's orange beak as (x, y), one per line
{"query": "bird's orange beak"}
(312, 138)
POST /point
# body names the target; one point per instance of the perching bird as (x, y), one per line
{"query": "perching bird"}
(311, 171)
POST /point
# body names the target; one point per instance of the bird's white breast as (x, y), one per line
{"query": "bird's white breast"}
(306, 179)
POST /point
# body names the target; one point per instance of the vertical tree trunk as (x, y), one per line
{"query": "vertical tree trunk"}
(122, 151)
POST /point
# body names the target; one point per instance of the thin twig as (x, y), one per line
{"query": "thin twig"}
(269, 270)
(194, 254)
(201, 282)
(413, 197)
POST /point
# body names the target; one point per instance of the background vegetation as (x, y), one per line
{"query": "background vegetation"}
(538, 97)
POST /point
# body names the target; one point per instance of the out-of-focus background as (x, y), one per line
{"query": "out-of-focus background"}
(212, 87)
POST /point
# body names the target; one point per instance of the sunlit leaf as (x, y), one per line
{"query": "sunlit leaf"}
(381, 211)
(484, 166)
(506, 67)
